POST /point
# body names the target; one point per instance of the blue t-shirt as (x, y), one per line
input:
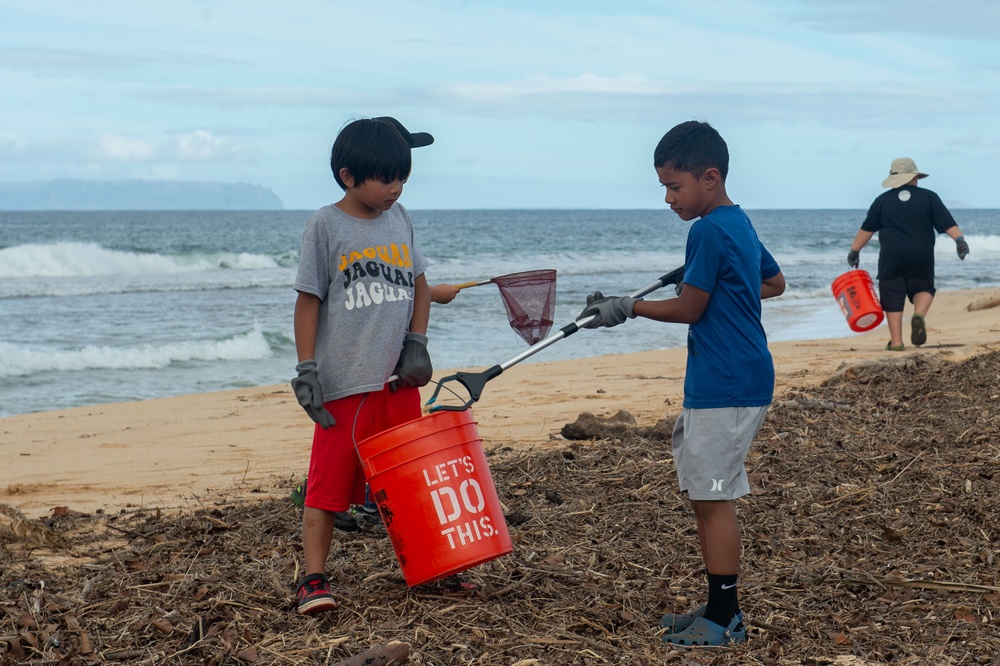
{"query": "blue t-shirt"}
(728, 363)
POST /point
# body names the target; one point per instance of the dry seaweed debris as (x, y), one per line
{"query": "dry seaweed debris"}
(871, 537)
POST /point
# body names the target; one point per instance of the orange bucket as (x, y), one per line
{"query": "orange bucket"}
(855, 293)
(436, 496)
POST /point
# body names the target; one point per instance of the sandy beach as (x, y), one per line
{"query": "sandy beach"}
(198, 449)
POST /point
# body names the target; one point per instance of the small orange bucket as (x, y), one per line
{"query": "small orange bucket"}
(855, 293)
(436, 496)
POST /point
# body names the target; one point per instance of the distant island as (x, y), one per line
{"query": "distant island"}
(73, 194)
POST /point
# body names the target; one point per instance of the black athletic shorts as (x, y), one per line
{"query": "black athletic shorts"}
(893, 292)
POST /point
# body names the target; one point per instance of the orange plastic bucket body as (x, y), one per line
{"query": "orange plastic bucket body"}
(381, 460)
(855, 293)
(434, 490)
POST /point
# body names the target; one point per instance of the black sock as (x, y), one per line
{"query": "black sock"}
(722, 602)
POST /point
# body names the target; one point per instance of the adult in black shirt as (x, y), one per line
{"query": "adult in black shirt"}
(907, 219)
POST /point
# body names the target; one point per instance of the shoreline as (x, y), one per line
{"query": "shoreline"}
(190, 450)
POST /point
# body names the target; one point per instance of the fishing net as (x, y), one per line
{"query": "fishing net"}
(530, 301)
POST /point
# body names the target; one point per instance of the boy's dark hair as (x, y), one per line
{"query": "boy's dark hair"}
(693, 147)
(370, 149)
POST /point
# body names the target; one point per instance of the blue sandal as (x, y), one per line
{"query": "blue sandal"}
(674, 622)
(704, 632)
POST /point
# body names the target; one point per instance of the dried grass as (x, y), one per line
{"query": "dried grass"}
(871, 537)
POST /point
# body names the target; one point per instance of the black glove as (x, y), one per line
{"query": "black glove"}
(608, 311)
(961, 247)
(853, 258)
(309, 393)
(414, 365)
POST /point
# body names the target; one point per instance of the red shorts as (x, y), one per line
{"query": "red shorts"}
(336, 479)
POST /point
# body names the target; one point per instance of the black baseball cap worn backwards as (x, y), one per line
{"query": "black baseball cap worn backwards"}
(414, 139)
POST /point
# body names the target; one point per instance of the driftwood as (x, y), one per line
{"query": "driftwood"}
(15, 528)
(810, 403)
(383, 655)
(984, 303)
(858, 578)
(882, 368)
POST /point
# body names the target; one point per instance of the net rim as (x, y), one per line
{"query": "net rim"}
(539, 276)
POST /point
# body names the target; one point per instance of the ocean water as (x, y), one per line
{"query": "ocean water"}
(100, 307)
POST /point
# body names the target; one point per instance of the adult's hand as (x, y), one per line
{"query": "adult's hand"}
(853, 258)
(607, 311)
(414, 365)
(961, 247)
(309, 393)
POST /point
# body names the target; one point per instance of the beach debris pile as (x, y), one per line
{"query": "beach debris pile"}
(619, 425)
(871, 538)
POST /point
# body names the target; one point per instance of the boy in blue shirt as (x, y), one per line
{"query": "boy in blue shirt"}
(360, 317)
(729, 381)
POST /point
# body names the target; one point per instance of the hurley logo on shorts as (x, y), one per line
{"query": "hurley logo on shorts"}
(717, 485)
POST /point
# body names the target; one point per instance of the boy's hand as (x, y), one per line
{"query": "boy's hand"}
(961, 247)
(607, 311)
(414, 365)
(443, 293)
(309, 393)
(853, 258)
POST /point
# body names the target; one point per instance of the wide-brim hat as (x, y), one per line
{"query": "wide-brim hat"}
(414, 139)
(902, 171)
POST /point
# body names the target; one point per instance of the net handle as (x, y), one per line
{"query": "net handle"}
(474, 283)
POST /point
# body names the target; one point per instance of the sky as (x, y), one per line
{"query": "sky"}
(532, 103)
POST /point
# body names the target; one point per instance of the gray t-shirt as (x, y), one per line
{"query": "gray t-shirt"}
(363, 273)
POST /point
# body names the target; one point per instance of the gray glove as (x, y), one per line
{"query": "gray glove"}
(961, 247)
(414, 365)
(309, 393)
(608, 311)
(853, 258)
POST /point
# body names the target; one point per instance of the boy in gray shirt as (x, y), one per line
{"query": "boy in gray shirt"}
(360, 317)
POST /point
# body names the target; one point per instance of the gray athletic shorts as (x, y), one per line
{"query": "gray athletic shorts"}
(710, 447)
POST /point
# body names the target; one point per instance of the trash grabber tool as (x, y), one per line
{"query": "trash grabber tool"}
(474, 382)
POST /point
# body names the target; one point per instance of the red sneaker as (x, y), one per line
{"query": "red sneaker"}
(456, 583)
(314, 595)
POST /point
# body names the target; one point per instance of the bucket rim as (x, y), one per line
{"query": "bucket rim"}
(422, 425)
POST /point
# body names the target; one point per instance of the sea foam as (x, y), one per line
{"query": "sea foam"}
(89, 259)
(21, 361)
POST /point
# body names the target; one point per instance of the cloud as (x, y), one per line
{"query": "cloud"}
(11, 144)
(260, 96)
(635, 99)
(62, 62)
(116, 148)
(203, 146)
(966, 19)
(99, 63)
(627, 98)
(196, 146)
